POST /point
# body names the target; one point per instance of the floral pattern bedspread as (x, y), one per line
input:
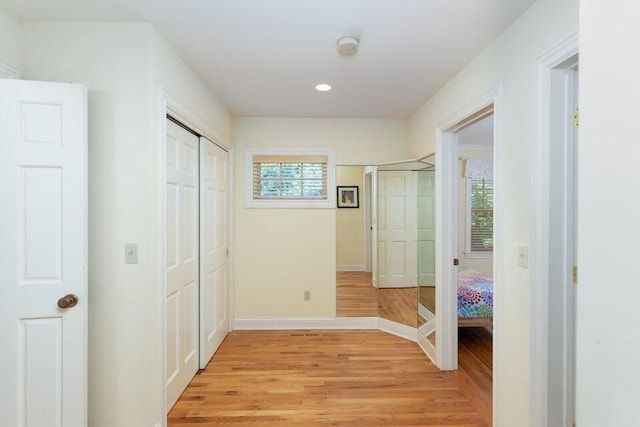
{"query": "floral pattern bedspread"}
(475, 293)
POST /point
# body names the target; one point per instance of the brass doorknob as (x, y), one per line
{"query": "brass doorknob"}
(68, 301)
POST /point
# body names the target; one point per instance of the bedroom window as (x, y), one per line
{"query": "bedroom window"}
(479, 207)
(290, 178)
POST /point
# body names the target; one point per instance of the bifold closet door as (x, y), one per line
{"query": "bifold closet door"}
(214, 318)
(182, 259)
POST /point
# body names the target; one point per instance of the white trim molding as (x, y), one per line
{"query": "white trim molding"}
(350, 267)
(398, 329)
(427, 347)
(446, 234)
(539, 261)
(275, 323)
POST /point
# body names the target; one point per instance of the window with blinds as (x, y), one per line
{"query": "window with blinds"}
(480, 218)
(290, 177)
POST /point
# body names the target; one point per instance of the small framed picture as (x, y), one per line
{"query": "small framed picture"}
(348, 196)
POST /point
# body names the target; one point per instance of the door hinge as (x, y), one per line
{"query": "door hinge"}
(456, 261)
(576, 117)
(227, 253)
(575, 274)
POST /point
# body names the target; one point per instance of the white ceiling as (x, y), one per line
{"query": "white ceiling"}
(479, 133)
(264, 57)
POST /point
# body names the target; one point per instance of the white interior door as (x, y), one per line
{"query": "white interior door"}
(426, 228)
(397, 234)
(43, 254)
(214, 300)
(182, 257)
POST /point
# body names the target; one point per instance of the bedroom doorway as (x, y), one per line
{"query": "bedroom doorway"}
(468, 205)
(475, 248)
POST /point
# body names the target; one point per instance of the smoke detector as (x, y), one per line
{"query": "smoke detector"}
(348, 45)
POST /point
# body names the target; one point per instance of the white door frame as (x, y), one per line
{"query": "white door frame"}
(169, 105)
(446, 236)
(540, 233)
(367, 181)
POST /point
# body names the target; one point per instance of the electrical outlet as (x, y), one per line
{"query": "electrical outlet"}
(307, 295)
(131, 253)
(523, 256)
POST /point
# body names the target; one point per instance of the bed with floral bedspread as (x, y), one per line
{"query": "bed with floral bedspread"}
(475, 298)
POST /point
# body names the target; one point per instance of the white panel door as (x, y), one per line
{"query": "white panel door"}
(43, 254)
(214, 184)
(426, 228)
(182, 257)
(397, 233)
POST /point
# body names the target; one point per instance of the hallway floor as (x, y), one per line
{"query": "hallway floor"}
(322, 378)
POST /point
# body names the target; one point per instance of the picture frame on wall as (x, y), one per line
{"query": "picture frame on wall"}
(348, 196)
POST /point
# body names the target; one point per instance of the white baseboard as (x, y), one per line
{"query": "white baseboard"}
(347, 267)
(425, 313)
(397, 329)
(427, 347)
(272, 323)
(269, 323)
(381, 286)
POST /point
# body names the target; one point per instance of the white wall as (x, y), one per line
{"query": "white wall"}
(350, 251)
(483, 265)
(169, 71)
(608, 378)
(121, 65)
(280, 253)
(509, 60)
(11, 33)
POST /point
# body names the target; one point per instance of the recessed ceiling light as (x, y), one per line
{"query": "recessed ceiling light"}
(323, 87)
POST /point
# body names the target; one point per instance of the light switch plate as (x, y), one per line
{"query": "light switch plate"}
(523, 256)
(131, 253)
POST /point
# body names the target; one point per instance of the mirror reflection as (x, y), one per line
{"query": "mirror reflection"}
(385, 254)
(356, 295)
(427, 250)
(403, 234)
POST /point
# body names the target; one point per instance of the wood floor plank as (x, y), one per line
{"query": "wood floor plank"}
(325, 378)
(399, 305)
(355, 294)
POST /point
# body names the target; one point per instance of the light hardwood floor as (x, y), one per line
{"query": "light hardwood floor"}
(330, 378)
(399, 305)
(355, 295)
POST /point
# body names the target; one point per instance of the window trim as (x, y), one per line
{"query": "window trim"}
(328, 203)
(468, 253)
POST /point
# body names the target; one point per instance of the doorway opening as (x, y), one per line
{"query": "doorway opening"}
(554, 272)
(468, 228)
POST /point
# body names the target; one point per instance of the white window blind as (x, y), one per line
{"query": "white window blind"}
(281, 177)
(480, 226)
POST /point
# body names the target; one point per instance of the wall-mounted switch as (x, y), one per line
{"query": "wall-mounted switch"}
(307, 295)
(131, 253)
(523, 256)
